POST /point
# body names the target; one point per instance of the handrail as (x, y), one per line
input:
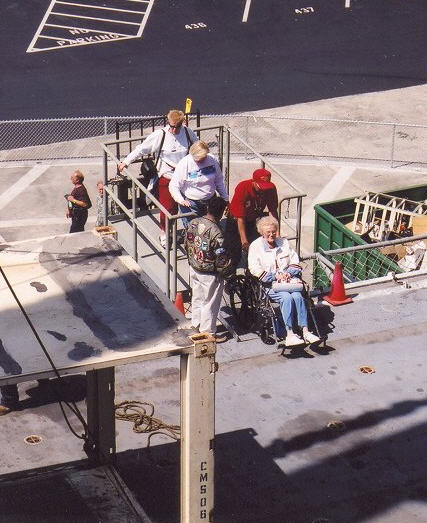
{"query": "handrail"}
(171, 272)
(376, 245)
(142, 137)
(270, 166)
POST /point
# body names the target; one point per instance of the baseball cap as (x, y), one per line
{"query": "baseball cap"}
(262, 177)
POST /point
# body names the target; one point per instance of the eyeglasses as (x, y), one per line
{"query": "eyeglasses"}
(176, 126)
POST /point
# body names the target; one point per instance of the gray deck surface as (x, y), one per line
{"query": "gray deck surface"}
(276, 460)
(86, 303)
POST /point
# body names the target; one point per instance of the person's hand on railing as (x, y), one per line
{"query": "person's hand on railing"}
(185, 203)
(121, 166)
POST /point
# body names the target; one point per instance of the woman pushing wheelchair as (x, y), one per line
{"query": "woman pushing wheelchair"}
(272, 260)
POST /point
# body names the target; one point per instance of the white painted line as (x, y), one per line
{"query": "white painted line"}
(89, 6)
(328, 193)
(36, 50)
(347, 4)
(84, 33)
(246, 11)
(37, 222)
(84, 29)
(40, 27)
(95, 18)
(144, 21)
(21, 185)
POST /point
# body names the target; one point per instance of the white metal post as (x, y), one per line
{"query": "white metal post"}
(198, 430)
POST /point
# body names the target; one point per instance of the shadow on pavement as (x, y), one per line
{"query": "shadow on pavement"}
(251, 487)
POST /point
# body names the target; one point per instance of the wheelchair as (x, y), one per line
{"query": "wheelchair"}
(253, 310)
(251, 307)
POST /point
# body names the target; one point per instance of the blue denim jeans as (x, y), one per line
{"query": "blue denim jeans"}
(290, 303)
(197, 206)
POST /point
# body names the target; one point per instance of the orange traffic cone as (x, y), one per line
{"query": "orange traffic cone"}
(337, 294)
(179, 302)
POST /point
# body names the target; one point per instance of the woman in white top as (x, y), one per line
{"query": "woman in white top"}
(269, 259)
(170, 144)
(196, 179)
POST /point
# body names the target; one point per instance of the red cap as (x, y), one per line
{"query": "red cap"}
(262, 177)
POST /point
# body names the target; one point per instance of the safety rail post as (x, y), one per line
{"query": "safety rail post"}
(247, 135)
(134, 227)
(393, 139)
(174, 259)
(228, 147)
(105, 195)
(220, 138)
(298, 225)
(167, 258)
(198, 121)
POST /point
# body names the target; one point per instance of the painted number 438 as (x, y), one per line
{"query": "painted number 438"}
(304, 10)
(199, 25)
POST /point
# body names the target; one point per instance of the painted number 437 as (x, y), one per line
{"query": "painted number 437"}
(199, 25)
(304, 10)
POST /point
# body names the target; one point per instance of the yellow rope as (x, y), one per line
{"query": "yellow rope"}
(140, 413)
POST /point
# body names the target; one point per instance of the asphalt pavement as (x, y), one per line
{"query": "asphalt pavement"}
(226, 55)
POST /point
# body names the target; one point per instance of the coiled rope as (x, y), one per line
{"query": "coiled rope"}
(140, 413)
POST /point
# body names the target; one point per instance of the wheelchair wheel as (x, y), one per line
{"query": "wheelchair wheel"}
(241, 301)
(264, 317)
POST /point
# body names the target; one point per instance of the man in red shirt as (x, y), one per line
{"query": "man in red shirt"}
(250, 199)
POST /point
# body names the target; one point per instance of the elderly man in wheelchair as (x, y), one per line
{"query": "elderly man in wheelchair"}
(275, 264)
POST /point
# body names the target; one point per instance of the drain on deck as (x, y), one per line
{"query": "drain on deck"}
(367, 370)
(33, 439)
(337, 425)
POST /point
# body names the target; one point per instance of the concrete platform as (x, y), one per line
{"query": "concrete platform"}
(276, 458)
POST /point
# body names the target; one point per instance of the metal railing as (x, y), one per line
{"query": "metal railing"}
(371, 262)
(221, 140)
(297, 138)
(169, 253)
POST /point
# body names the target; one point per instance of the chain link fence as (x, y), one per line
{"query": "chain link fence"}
(331, 139)
(282, 137)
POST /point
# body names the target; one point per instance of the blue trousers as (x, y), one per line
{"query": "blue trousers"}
(197, 206)
(290, 303)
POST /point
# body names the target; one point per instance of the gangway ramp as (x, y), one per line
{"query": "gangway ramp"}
(150, 256)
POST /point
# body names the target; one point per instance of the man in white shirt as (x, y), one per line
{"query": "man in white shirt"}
(196, 179)
(170, 144)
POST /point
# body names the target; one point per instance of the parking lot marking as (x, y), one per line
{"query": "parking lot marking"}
(246, 11)
(90, 6)
(22, 184)
(98, 29)
(109, 20)
(81, 29)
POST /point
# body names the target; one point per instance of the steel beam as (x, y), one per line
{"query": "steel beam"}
(198, 430)
(101, 448)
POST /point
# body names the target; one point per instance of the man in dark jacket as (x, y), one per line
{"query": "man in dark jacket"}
(209, 263)
(78, 203)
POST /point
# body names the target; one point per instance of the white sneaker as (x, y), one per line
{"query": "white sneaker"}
(293, 339)
(309, 337)
(162, 239)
